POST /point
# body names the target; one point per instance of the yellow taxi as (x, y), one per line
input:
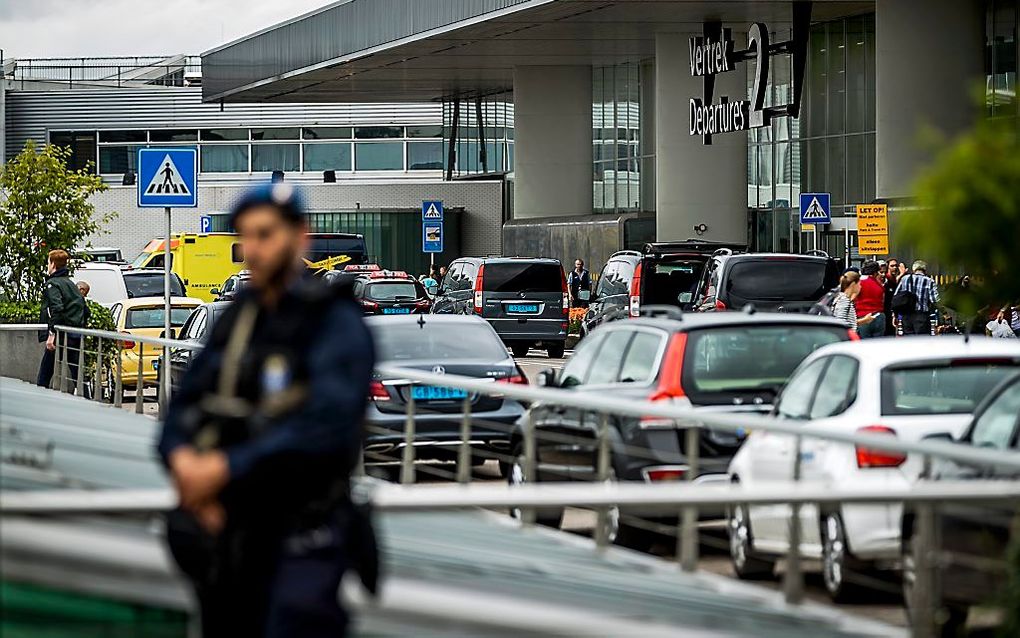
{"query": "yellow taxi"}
(143, 316)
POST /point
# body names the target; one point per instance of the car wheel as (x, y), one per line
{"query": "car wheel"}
(746, 564)
(621, 533)
(520, 349)
(837, 561)
(516, 475)
(555, 351)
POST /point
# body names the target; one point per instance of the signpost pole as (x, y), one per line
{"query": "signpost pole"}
(164, 376)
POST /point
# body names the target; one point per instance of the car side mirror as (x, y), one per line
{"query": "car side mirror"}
(547, 378)
(215, 292)
(944, 437)
(432, 289)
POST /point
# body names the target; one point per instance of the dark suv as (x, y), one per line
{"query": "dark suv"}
(780, 282)
(672, 274)
(525, 299)
(732, 362)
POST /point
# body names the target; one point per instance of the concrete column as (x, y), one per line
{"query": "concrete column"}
(695, 184)
(552, 141)
(929, 60)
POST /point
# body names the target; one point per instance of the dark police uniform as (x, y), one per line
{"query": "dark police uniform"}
(292, 435)
(62, 305)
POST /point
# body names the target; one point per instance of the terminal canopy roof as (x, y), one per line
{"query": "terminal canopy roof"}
(422, 50)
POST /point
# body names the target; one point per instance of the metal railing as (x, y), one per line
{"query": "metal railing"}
(603, 494)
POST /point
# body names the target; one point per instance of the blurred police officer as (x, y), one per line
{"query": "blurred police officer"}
(262, 437)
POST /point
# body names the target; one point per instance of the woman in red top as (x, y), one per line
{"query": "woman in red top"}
(870, 302)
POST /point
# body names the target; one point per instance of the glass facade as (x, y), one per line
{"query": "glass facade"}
(311, 149)
(1001, 24)
(618, 157)
(830, 148)
(485, 137)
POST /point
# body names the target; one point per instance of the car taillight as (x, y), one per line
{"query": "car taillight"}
(853, 335)
(868, 457)
(127, 345)
(635, 292)
(369, 305)
(517, 379)
(478, 290)
(661, 473)
(377, 391)
(720, 305)
(669, 386)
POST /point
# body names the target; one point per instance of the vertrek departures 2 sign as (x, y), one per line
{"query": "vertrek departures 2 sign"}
(714, 53)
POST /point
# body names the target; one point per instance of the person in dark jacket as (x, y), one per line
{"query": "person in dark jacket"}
(579, 285)
(262, 436)
(62, 305)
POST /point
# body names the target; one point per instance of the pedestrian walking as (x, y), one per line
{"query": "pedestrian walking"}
(261, 439)
(62, 305)
(891, 277)
(579, 285)
(843, 308)
(916, 297)
(870, 302)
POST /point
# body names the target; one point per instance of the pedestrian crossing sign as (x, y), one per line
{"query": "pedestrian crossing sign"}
(167, 177)
(432, 211)
(814, 208)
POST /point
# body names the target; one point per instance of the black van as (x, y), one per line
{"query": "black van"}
(779, 282)
(525, 299)
(666, 273)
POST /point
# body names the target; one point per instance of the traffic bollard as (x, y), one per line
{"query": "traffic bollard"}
(407, 460)
(464, 453)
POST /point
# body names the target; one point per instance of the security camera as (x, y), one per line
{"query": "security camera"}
(700, 228)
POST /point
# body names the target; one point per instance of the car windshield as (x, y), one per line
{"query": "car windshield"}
(151, 285)
(391, 290)
(778, 279)
(955, 388)
(721, 363)
(153, 317)
(523, 277)
(436, 340)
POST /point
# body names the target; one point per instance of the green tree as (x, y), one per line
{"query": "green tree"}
(969, 214)
(43, 205)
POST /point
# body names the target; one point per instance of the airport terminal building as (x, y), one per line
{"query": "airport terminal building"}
(637, 120)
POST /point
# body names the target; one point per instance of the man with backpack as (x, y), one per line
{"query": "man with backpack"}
(915, 299)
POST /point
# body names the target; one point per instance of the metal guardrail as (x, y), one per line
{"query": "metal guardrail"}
(684, 498)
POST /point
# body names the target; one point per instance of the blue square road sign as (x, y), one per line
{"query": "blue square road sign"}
(432, 210)
(814, 208)
(431, 237)
(167, 177)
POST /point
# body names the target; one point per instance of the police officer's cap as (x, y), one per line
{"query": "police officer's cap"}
(284, 197)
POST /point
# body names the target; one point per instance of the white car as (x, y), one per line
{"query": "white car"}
(110, 283)
(908, 388)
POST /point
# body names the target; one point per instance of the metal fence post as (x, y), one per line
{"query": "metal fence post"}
(528, 513)
(407, 461)
(139, 381)
(922, 617)
(689, 524)
(793, 579)
(55, 378)
(602, 475)
(97, 377)
(118, 390)
(79, 382)
(65, 371)
(464, 453)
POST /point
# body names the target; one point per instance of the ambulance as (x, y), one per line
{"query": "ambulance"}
(205, 260)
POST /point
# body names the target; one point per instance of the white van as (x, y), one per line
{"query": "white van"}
(110, 283)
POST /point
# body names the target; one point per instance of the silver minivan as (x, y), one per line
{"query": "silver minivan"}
(523, 298)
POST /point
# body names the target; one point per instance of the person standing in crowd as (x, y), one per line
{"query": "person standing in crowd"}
(62, 305)
(870, 302)
(891, 276)
(261, 439)
(578, 282)
(999, 327)
(429, 280)
(442, 273)
(844, 308)
(1014, 319)
(84, 288)
(916, 297)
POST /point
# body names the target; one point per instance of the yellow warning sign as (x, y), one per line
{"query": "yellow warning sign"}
(873, 229)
